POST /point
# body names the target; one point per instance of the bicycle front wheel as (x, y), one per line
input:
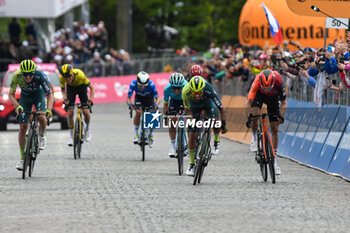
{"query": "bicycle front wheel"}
(77, 138)
(261, 156)
(35, 149)
(143, 144)
(201, 150)
(28, 153)
(270, 157)
(180, 150)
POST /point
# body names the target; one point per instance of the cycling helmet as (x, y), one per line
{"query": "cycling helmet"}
(142, 78)
(66, 70)
(267, 79)
(27, 66)
(196, 70)
(176, 79)
(197, 83)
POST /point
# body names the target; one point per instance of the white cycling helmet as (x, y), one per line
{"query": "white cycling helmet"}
(142, 78)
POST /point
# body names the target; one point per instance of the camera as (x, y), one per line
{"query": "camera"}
(341, 59)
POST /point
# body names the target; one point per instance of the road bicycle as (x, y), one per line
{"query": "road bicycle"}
(32, 145)
(78, 133)
(181, 140)
(143, 142)
(265, 155)
(203, 152)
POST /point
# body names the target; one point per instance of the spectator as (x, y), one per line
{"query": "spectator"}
(30, 32)
(14, 30)
(97, 65)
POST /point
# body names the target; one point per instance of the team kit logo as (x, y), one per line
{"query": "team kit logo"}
(154, 120)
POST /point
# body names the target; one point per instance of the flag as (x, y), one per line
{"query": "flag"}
(274, 26)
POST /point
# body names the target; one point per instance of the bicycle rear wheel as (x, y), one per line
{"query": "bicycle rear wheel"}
(270, 157)
(143, 144)
(260, 153)
(35, 149)
(180, 150)
(28, 153)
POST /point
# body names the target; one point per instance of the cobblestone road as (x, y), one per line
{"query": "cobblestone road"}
(111, 190)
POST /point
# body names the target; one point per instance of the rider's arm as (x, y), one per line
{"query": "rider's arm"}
(156, 100)
(155, 93)
(185, 96)
(283, 98)
(13, 87)
(46, 88)
(92, 91)
(283, 107)
(130, 92)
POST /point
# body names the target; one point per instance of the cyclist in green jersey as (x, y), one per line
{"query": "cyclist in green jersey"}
(199, 95)
(34, 88)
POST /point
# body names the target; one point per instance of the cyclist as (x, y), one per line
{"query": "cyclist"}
(267, 88)
(199, 95)
(146, 96)
(77, 84)
(173, 90)
(194, 71)
(34, 88)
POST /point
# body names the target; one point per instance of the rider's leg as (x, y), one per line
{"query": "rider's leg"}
(275, 135)
(86, 113)
(22, 138)
(137, 118)
(192, 145)
(172, 132)
(70, 121)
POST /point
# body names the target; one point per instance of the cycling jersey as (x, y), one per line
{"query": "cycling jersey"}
(79, 79)
(168, 92)
(38, 83)
(277, 90)
(150, 90)
(208, 95)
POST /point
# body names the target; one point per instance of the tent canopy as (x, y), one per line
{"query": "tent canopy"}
(37, 8)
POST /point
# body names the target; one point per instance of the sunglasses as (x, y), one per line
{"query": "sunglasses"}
(176, 88)
(67, 76)
(142, 85)
(197, 93)
(26, 74)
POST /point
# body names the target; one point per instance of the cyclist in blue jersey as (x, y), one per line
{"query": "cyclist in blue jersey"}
(173, 90)
(146, 95)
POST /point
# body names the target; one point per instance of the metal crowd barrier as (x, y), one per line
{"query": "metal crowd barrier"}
(299, 90)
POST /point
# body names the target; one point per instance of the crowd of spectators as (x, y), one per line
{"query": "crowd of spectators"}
(321, 68)
(82, 45)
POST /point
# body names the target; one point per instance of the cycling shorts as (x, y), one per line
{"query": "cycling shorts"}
(209, 108)
(27, 102)
(81, 91)
(175, 105)
(272, 103)
(143, 101)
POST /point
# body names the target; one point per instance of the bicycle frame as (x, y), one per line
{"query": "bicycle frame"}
(142, 142)
(266, 151)
(32, 145)
(203, 154)
(266, 132)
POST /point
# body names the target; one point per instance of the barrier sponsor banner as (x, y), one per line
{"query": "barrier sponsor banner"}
(306, 120)
(333, 138)
(342, 153)
(327, 115)
(293, 117)
(115, 89)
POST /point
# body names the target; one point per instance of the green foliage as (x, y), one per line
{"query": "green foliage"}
(198, 21)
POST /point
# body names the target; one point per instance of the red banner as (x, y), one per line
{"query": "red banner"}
(115, 89)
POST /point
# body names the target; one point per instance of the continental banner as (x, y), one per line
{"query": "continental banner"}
(337, 9)
(307, 30)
